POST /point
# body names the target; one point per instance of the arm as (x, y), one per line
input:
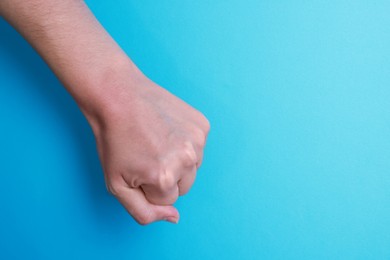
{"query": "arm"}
(150, 142)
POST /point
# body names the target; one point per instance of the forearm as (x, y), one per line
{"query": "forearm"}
(75, 46)
(150, 142)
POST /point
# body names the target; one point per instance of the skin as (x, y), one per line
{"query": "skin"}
(150, 142)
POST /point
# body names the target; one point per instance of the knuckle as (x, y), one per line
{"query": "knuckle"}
(166, 181)
(203, 120)
(199, 137)
(162, 179)
(207, 124)
(188, 154)
(199, 163)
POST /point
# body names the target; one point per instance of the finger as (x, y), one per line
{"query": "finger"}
(133, 199)
(158, 196)
(200, 158)
(187, 181)
(198, 146)
(162, 188)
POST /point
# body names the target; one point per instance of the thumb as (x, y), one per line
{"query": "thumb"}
(167, 213)
(133, 199)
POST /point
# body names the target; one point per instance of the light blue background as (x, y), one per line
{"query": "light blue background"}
(297, 164)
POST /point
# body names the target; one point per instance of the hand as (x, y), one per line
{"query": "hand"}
(150, 145)
(150, 142)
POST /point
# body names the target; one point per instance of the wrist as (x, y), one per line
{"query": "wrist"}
(106, 93)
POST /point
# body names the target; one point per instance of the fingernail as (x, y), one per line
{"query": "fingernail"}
(173, 220)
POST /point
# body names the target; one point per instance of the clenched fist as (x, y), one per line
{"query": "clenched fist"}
(150, 142)
(150, 145)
